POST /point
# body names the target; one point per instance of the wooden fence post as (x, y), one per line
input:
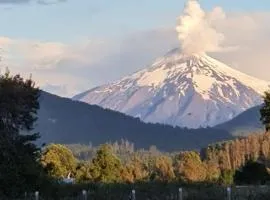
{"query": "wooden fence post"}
(133, 195)
(36, 195)
(180, 194)
(229, 193)
(84, 194)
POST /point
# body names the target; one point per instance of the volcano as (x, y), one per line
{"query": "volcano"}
(181, 90)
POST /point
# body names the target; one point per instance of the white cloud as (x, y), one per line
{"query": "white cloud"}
(67, 69)
(43, 60)
(250, 33)
(78, 67)
(196, 30)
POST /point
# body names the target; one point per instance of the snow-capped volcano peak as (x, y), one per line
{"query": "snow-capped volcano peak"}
(180, 89)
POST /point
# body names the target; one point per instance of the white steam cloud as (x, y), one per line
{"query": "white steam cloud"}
(196, 30)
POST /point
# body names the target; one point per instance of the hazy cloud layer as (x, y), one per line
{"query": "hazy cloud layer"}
(68, 69)
(250, 33)
(42, 2)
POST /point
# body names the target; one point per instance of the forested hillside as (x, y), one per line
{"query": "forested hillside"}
(245, 123)
(62, 120)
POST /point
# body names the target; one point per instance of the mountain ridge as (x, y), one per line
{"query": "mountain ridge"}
(65, 121)
(181, 90)
(245, 123)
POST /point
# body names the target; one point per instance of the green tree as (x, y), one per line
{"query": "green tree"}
(19, 167)
(252, 173)
(226, 177)
(58, 161)
(265, 111)
(106, 166)
(83, 172)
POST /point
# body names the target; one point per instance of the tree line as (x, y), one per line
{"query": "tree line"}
(119, 163)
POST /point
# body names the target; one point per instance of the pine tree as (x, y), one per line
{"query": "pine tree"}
(265, 111)
(19, 167)
(252, 173)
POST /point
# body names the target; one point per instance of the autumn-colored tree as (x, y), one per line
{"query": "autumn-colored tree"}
(58, 161)
(266, 149)
(163, 169)
(134, 170)
(255, 149)
(106, 166)
(127, 174)
(212, 171)
(190, 168)
(232, 155)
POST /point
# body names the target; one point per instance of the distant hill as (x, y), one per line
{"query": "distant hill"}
(245, 123)
(63, 120)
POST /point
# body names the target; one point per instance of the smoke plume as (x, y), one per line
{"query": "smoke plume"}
(196, 30)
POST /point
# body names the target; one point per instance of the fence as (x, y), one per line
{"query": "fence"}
(229, 193)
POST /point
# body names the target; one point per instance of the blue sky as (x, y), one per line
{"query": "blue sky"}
(75, 45)
(77, 19)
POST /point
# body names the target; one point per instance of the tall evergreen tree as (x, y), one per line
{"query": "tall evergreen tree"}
(265, 111)
(252, 173)
(19, 168)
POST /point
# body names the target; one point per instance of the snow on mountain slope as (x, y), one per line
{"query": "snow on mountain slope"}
(189, 91)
